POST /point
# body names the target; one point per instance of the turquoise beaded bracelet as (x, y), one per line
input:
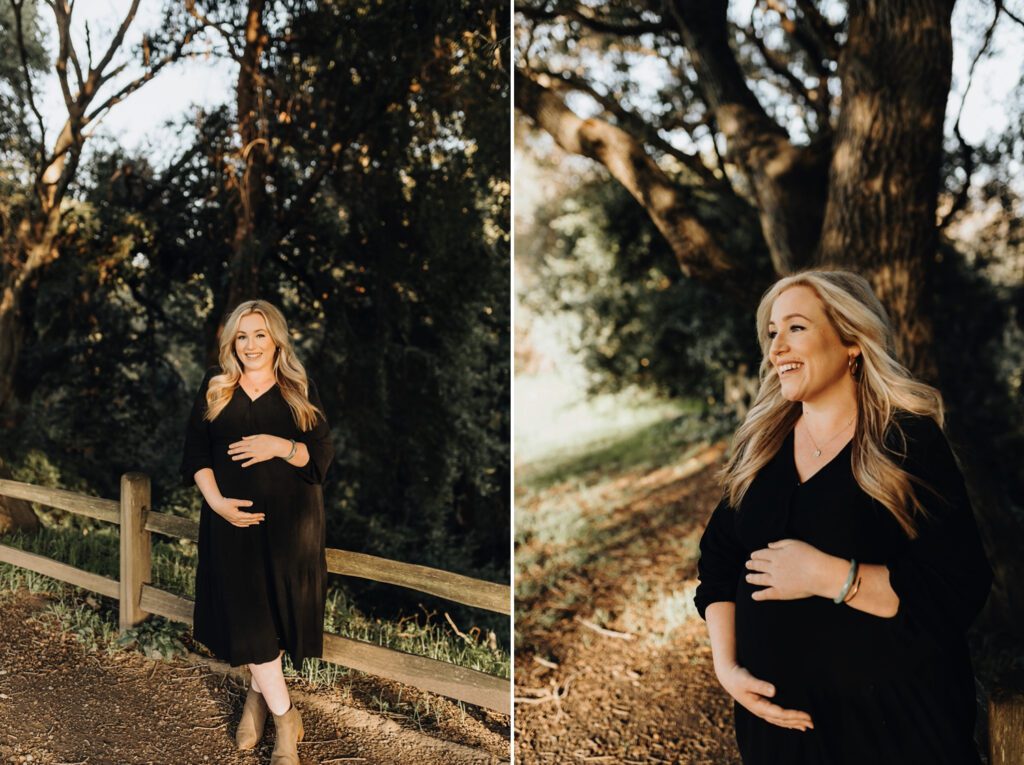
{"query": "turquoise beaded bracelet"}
(849, 582)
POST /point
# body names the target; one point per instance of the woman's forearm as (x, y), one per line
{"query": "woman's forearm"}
(207, 483)
(721, 620)
(875, 595)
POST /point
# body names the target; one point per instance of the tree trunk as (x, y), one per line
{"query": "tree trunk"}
(11, 333)
(249, 181)
(884, 178)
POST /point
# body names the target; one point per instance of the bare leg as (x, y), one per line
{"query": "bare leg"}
(252, 682)
(269, 678)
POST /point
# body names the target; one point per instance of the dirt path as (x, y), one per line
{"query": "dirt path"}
(62, 705)
(613, 664)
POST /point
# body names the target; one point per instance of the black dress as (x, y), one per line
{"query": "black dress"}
(885, 691)
(261, 588)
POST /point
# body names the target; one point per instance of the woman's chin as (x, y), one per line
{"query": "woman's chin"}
(791, 394)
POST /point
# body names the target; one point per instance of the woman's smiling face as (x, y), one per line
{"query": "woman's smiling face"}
(253, 344)
(805, 349)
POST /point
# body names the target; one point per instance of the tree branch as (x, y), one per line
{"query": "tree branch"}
(788, 182)
(177, 55)
(206, 21)
(811, 98)
(1001, 7)
(62, 15)
(635, 124)
(697, 250)
(811, 31)
(23, 51)
(116, 42)
(824, 30)
(966, 150)
(587, 18)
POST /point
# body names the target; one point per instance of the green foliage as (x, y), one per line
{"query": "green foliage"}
(157, 638)
(384, 236)
(638, 320)
(92, 622)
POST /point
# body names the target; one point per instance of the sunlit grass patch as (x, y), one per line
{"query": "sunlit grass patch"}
(644, 445)
(424, 634)
(671, 610)
(93, 619)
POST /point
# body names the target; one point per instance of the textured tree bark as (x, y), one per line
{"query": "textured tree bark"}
(697, 248)
(789, 182)
(11, 337)
(248, 180)
(884, 178)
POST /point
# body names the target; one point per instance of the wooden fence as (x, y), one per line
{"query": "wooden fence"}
(138, 598)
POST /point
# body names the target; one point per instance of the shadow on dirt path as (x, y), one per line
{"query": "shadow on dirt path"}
(613, 664)
(63, 705)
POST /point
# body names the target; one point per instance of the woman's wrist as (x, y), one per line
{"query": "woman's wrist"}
(293, 449)
(833, 573)
(284, 448)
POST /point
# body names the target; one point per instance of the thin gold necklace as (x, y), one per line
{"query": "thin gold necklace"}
(817, 449)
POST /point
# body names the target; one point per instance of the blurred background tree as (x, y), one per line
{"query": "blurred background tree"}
(358, 177)
(727, 144)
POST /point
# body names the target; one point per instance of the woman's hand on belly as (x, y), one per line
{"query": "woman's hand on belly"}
(753, 694)
(789, 570)
(227, 509)
(259, 448)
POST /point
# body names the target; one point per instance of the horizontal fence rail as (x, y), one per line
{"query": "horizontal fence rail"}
(461, 589)
(62, 571)
(93, 507)
(432, 581)
(138, 598)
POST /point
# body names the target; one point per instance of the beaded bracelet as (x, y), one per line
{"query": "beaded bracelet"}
(846, 585)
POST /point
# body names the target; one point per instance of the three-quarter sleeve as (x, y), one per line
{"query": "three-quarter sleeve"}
(196, 454)
(942, 577)
(721, 560)
(318, 442)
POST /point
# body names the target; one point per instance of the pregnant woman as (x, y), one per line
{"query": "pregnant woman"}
(258, 446)
(841, 571)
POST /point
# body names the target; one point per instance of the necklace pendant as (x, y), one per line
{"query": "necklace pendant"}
(817, 452)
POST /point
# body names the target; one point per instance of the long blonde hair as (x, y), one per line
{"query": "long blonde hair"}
(884, 389)
(289, 373)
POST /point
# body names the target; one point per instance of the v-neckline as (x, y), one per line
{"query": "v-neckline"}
(791, 451)
(254, 400)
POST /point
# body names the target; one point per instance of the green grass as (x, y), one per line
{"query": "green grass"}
(586, 512)
(646, 446)
(93, 618)
(567, 517)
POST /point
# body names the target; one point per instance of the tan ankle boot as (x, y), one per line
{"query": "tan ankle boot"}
(254, 717)
(289, 733)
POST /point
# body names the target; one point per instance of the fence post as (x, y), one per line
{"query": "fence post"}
(136, 547)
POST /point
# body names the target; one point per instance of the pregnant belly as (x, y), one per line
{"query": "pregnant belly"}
(813, 643)
(256, 482)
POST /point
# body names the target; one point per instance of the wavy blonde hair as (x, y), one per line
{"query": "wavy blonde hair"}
(289, 373)
(884, 389)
